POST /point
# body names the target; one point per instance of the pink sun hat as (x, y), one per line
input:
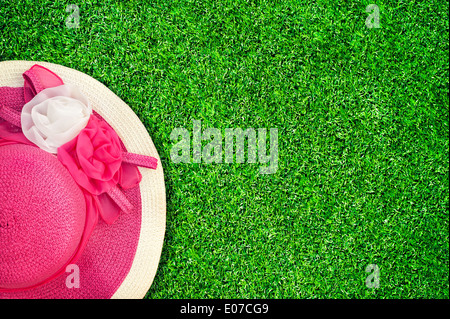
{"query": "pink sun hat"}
(82, 195)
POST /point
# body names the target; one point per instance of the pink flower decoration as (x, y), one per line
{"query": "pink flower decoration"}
(94, 158)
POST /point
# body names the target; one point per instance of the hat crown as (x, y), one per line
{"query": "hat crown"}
(42, 216)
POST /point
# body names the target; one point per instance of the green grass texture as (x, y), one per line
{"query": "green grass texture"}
(363, 126)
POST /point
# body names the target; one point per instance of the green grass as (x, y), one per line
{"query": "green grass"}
(363, 126)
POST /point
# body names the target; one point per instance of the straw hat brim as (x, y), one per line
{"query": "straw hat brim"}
(137, 140)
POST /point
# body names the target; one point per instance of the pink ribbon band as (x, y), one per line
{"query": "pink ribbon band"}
(140, 160)
(11, 102)
(38, 78)
(120, 199)
(10, 115)
(115, 193)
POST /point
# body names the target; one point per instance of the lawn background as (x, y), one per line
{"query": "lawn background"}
(362, 119)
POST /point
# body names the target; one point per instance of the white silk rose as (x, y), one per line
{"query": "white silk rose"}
(55, 116)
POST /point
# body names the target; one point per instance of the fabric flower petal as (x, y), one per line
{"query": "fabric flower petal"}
(94, 157)
(109, 210)
(130, 176)
(55, 116)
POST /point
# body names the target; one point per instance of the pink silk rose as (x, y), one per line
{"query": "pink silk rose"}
(94, 159)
